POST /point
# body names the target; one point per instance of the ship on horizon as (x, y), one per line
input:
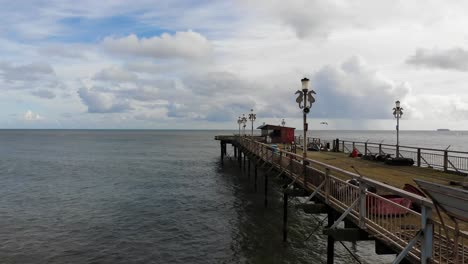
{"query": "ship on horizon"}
(443, 129)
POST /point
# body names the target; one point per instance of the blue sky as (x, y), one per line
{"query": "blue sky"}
(201, 64)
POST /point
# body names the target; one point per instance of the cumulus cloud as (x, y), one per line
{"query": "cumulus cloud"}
(312, 18)
(25, 72)
(212, 83)
(31, 116)
(452, 107)
(184, 45)
(115, 74)
(451, 59)
(46, 94)
(62, 51)
(355, 90)
(100, 102)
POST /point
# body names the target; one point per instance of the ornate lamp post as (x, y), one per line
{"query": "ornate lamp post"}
(244, 121)
(397, 113)
(252, 118)
(305, 101)
(283, 123)
(239, 122)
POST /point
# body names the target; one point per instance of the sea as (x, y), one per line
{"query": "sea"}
(157, 196)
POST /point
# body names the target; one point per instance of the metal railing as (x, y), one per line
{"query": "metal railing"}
(418, 235)
(443, 159)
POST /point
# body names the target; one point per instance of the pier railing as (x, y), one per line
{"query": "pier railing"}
(443, 159)
(415, 231)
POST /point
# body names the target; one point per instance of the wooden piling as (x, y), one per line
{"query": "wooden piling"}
(285, 216)
(248, 170)
(255, 178)
(244, 162)
(330, 239)
(222, 151)
(265, 175)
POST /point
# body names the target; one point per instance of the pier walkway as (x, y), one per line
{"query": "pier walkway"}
(416, 235)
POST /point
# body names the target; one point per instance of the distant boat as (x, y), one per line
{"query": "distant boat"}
(443, 129)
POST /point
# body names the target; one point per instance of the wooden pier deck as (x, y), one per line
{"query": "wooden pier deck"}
(396, 176)
(416, 236)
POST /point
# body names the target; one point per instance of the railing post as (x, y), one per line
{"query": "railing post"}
(327, 185)
(362, 205)
(426, 227)
(281, 159)
(354, 145)
(419, 158)
(380, 149)
(342, 147)
(365, 148)
(445, 160)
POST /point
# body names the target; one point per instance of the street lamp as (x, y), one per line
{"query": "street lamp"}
(397, 113)
(252, 118)
(239, 122)
(283, 123)
(305, 101)
(244, 121)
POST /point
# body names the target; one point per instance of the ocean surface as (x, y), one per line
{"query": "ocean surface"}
(109, 196)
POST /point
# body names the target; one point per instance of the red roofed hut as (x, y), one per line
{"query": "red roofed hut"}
(277, 134)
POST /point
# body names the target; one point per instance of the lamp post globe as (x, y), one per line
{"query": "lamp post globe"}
(305, 84)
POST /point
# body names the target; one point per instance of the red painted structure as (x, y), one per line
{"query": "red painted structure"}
(277, 134)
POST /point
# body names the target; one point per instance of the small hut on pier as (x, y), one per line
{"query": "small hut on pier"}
(277, 134)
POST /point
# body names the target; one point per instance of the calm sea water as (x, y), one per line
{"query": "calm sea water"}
(78, 196)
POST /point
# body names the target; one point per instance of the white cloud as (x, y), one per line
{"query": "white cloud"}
(319, 19)
(448, 107)
(185, 45)
(355, 90)
(26, 72)
(450, 59)
(115, 74)
(46, 94)
(101, 102)
(31, 116)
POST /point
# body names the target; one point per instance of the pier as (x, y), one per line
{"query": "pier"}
(359, 199)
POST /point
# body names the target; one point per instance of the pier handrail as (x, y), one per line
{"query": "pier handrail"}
(444, 159)
(418, 235)
(420, 200)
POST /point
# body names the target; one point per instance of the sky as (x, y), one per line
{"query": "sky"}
(170, 64)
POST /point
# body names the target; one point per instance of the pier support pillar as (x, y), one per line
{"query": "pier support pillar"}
(248, 170)
(330, 239)
(244, 161)
(235, 151)
(255, 178)
(239, 157)
(285, 217)
(266, 189)
(222, 151)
